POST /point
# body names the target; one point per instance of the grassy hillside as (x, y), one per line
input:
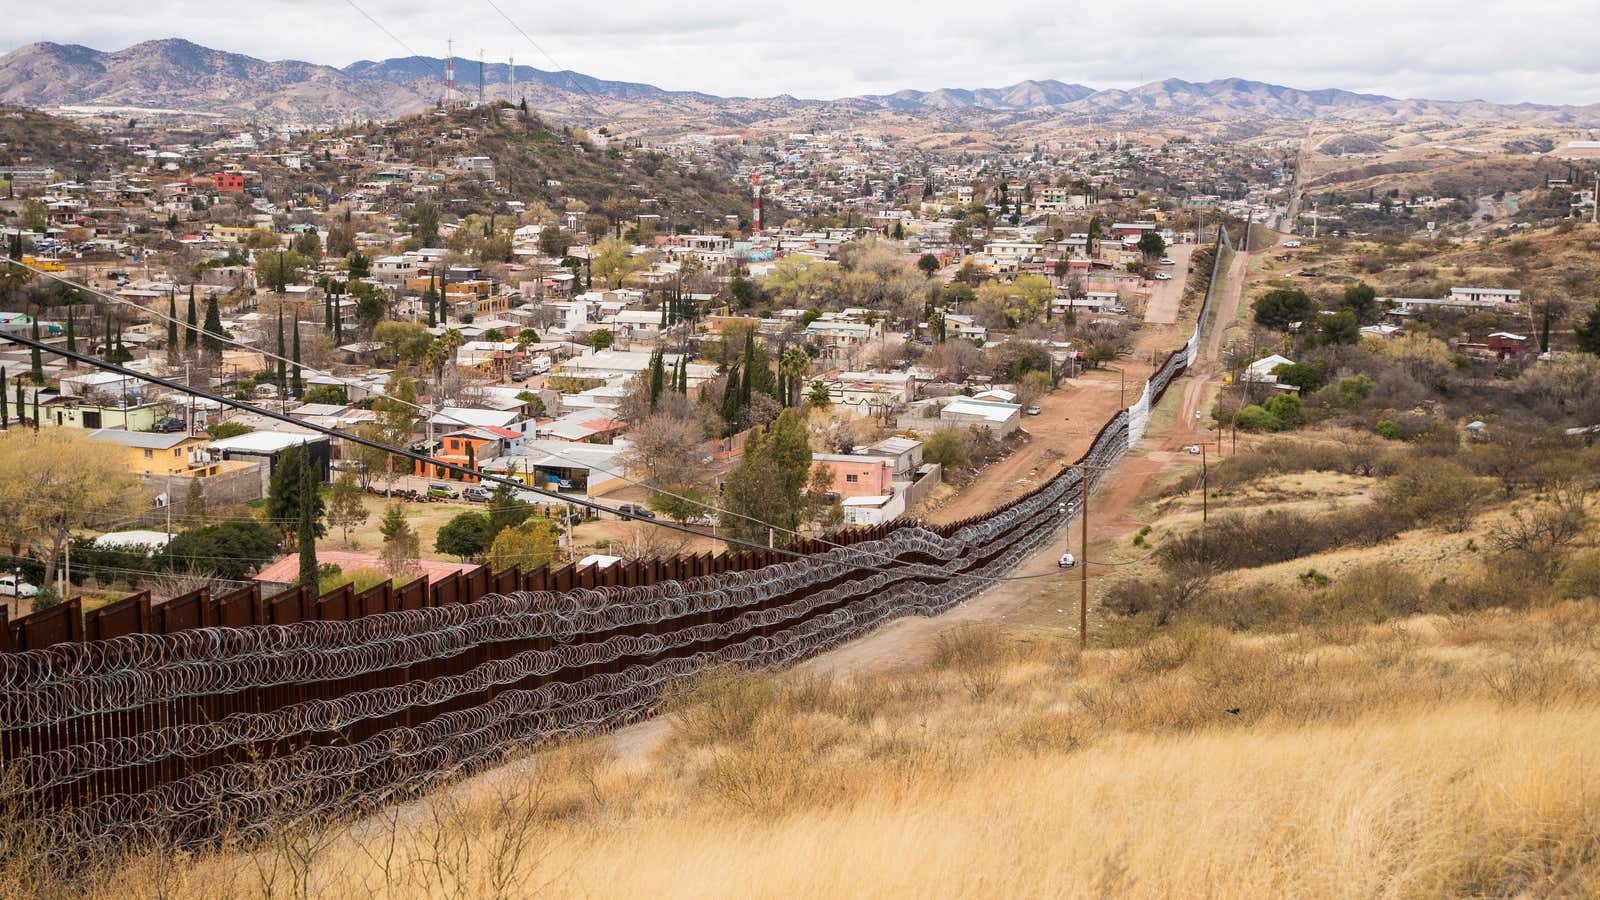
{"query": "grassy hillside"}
(1334, 712)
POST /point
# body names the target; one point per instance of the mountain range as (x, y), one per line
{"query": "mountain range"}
(179, 74)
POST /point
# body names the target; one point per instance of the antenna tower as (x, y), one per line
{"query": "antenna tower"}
(511, 69)
(480, 76)
(449, 72)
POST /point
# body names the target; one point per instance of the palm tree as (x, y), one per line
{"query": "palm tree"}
(453, 339)
(793, 364)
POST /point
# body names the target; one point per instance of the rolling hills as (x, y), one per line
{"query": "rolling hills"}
(179, 74)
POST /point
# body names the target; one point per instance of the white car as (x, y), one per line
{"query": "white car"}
(1168, 261)
(1034, 410)
(12, 586)
(1068, 561)
(1291, 244)
(1192, 449)
(1162, 276)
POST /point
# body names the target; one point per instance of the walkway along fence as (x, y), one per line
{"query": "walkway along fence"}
(231, 715)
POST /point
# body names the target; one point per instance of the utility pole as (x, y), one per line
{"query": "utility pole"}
(1083, 565)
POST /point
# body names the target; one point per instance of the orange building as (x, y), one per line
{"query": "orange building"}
(227, 181)
(467, 447)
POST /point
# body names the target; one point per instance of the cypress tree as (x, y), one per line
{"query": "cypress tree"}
(472, 457)
(327, 309)
(35, 409)
(749, 367)
(307, 531)
(212, 339)
(72, 338)
(430, 299)
(298, 385)
(36, 363)
(730, 403)
(658, 377)
(338, 324)
(22, 406)
(283, 379)
(191, 332)
(172, 326)
(5, 407)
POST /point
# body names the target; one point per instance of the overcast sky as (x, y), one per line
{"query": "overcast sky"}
(1529, 50)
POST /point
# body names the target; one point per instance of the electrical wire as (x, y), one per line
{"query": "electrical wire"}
(515, 484)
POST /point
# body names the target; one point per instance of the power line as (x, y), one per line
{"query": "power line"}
(26, 341)
(380, 26)
(416, 457)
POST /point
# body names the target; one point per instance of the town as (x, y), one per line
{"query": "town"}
(435, 477)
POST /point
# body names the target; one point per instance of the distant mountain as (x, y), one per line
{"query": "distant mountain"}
(1023, 95)
(182, 75)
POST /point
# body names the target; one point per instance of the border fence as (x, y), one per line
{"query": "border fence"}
(230, 715)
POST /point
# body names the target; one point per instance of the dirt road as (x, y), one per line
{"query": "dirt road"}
(1167, 296)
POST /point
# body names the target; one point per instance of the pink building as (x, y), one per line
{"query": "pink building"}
(857, 476)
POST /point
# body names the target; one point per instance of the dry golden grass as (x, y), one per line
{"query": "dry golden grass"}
(1436, 756)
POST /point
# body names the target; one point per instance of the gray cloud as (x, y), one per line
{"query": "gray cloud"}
(1529, 50)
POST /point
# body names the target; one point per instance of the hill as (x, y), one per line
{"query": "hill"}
(31, 138)
(177, 73)
(535, 160)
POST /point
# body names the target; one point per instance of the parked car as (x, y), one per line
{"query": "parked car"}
(168, 425)
(439, 491)
(1291, 244)
(1120, 310)
(1067, 561)
(1168, 261)
(12, 586)
(636, 511)
(1162, 276)
(1034, 410)
(519, 376)
(1192, 449)
(476, 493)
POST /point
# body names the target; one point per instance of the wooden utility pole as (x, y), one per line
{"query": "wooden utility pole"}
(1083, 566)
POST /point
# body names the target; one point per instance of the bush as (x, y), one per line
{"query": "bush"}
(1581, 577)
(1389, 429)
(1436, 492)
(1256, 418)
(1287, 410)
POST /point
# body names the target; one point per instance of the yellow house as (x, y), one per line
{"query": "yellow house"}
(152, 453)
(230, 232)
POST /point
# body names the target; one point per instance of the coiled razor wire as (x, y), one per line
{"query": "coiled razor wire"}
(761, 618)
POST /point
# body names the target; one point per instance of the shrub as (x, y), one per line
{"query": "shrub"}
(1581, 577)
(1256, 418)
(1287, 410)
(1388, 428)
(1435, 492)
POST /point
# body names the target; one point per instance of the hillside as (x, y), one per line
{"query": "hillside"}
(179, 74)
(1337, 727)
(32, 138)
(537, 161)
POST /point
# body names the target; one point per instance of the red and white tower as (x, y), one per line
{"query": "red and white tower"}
(755, 190)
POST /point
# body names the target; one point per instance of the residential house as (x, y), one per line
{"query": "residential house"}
(966, 412)
(465, 447)
(855, 475)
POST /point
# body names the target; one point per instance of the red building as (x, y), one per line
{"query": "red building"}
(227, 181)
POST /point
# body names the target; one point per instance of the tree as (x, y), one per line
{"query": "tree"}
(528, 546)
(288, 496)
(172, 327)
(1588, 333)
(194, 501)
(72, 338)
(307, 528)
(281, 269)
(55, 480)
(296, 382)
(1362, 300)
(1340, 327)
(213, 336)
(818, 396)
(553, 242)
(401, 547)
(345, 509)
(233, 549)
(358, 265)
(466, 536)
(614, 261)
(1306, 378)
(505, 510)
(341, 238)
(1152, 245)
(307, 244)
(946, 448)
(191, 330)
(425, 222)
(35, 361)
(327, 393)
(1279, 307)
(602, 339)
(770, 480)
(929, 264)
